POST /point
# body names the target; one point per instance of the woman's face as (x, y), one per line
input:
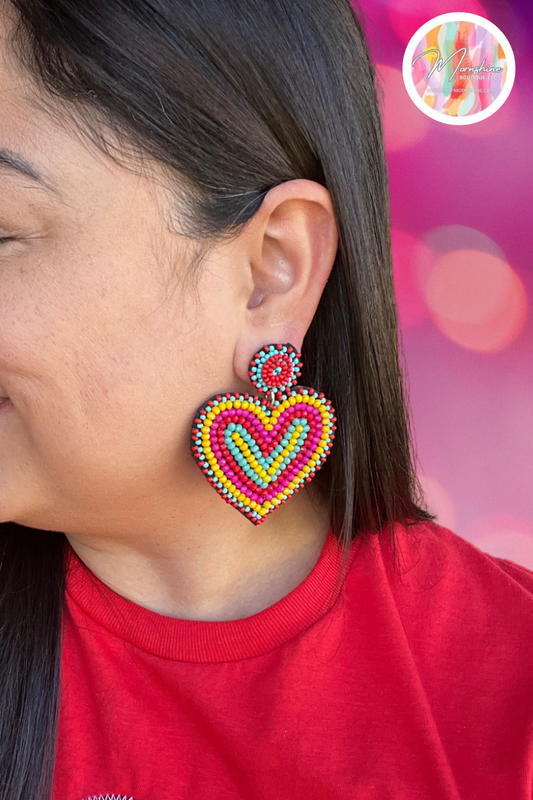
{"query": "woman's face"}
(104, 352)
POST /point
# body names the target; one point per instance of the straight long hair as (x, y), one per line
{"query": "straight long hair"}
(230, 98)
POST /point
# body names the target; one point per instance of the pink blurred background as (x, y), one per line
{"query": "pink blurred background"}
(461, 202)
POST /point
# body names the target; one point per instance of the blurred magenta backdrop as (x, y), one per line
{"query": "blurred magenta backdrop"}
(461, 204)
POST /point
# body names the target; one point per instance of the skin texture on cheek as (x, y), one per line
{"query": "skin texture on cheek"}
(104, 362)
(118, 371)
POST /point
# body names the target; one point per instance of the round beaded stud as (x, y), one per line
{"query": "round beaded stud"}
(258, 452)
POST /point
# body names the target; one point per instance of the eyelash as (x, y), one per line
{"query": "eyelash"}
(5, 239)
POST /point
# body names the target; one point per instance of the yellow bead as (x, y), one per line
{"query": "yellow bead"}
(244, 404)
(210, 415)
(307, 469)
(267, 504)
(271, 471)
(292, 485)
(237, 404)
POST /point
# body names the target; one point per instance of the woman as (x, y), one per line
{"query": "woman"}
(191, 191)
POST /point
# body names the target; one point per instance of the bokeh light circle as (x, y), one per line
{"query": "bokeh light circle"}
(477, 300)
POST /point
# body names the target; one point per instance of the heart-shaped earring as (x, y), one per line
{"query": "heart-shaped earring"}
(258, 452)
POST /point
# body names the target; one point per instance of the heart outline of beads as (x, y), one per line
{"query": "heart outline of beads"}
(239, 440)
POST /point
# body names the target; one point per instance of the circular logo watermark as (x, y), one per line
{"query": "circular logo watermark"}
(459, 68)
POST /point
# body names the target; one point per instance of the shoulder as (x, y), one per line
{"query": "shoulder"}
(444, 578)
(453, 551)
(455, 627)
(463, 620)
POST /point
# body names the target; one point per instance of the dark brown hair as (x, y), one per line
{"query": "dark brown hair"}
(230, 98)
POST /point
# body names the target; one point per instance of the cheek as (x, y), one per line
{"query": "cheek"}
(107, 370)
(83, 364)
(208, 334)
(102, 427)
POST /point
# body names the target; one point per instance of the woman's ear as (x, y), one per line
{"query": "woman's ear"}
(292, 245)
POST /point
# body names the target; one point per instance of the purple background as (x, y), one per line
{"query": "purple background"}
(461, 203)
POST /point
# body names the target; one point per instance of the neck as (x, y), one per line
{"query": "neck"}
(213, 564)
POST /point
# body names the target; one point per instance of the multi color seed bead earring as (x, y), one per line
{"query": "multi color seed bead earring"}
(257, 453)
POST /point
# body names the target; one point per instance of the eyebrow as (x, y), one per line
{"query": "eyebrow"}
(15, 162)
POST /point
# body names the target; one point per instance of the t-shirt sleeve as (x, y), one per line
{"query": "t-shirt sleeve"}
(520, 574)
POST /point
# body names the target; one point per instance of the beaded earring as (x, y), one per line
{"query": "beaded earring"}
(257, 453)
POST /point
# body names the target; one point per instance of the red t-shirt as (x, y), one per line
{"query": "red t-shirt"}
(419, 686)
